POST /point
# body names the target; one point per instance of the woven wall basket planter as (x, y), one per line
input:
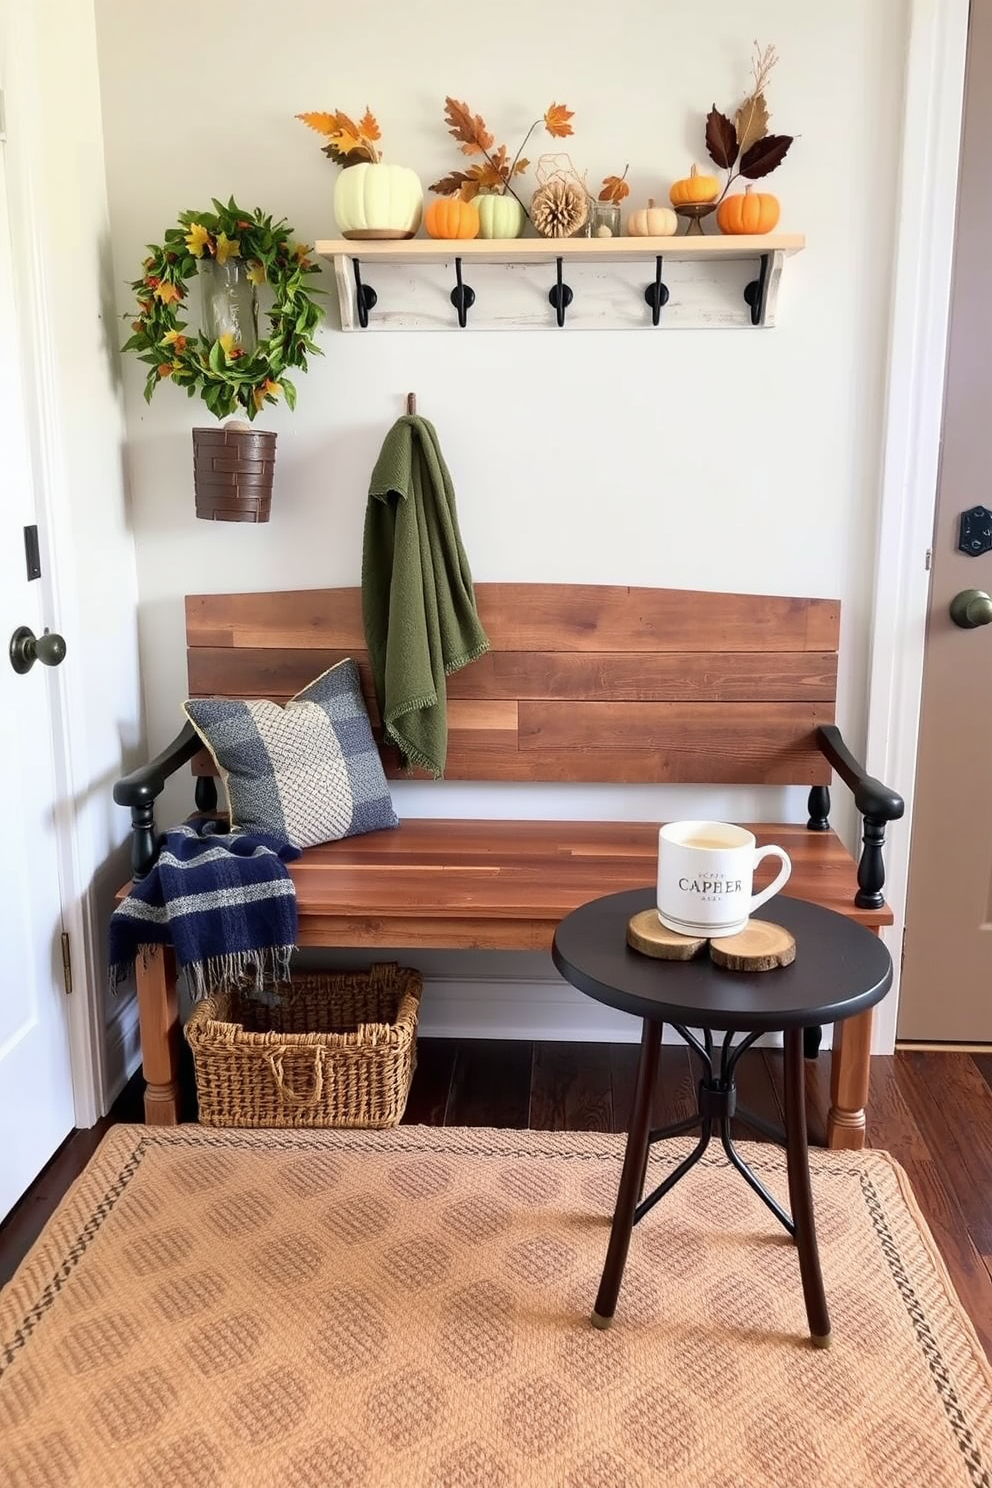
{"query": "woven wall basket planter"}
(232, 473)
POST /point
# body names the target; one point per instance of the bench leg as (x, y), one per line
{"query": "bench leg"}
(158, 1025)
(849, 1075)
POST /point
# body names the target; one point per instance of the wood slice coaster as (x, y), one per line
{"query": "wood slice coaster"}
(646, 933)
(761, 946)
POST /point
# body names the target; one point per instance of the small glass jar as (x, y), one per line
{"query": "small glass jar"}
(604, 220)
(228, 302)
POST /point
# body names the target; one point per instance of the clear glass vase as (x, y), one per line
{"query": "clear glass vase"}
(229, 303)
(603, 221)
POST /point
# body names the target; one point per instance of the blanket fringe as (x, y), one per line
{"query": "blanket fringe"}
(260, 967)
(268, 966)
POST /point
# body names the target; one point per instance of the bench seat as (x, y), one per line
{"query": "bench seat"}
(504, 885)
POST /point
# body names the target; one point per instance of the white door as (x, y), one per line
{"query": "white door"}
(949, 906)
(36, 1101)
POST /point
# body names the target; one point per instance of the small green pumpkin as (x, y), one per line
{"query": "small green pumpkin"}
(500, 216)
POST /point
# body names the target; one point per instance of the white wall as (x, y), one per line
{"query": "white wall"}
(713, 460)
(66, 309)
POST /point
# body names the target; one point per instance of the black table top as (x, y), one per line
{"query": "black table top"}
(840, 969)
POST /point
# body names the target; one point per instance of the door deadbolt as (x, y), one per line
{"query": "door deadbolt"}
(26, 648)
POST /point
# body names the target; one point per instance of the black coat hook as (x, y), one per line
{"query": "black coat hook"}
(462, 296)
(754, 293)
(656, 294)
(365, 297)
(560, 295)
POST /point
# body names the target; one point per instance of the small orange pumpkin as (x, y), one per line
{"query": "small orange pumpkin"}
(450, 217)
(694, 188)
(748, 212)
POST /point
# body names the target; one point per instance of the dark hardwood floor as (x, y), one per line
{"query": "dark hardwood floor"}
(931, 1111)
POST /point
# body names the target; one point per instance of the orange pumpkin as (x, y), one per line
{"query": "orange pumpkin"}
(450, 217)
(748, 212)
(694, 189)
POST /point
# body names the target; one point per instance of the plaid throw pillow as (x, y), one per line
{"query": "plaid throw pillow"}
(307, 773)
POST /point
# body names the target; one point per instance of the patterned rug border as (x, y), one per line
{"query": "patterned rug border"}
(49, 1265)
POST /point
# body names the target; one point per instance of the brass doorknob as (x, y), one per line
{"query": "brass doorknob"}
(970, 608)
(26, 648)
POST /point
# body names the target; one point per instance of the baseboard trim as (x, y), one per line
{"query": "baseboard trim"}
(924, 1046)
(518, 1008)
(549, 1010)
(122, 1050)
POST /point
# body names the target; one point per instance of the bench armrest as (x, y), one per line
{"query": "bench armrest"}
(140, 789)
(878, 805)
(871, 797)
(148, 781)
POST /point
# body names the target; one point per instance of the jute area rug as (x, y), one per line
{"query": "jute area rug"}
(292, 1309)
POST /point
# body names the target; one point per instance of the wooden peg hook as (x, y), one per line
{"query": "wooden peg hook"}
(411, 403)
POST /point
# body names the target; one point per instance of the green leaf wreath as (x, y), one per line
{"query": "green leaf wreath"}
(226, 376)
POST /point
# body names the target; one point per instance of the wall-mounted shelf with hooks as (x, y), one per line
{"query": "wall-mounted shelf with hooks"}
(523, 283)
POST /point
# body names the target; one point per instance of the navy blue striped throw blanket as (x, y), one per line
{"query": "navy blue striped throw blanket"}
(223, 900)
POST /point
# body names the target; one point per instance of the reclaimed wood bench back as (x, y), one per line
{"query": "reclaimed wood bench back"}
(583, 683)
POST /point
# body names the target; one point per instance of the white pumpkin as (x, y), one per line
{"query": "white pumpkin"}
(378, 201)
(499, 216)
(652, 222)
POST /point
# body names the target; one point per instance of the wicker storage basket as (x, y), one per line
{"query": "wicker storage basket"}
(328, 1049)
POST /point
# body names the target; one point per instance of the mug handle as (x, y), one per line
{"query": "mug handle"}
(776, 884)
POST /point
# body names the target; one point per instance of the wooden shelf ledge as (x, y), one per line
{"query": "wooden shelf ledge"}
(546, 250)
(703, 282)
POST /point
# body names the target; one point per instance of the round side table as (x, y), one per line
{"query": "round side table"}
(840, 969)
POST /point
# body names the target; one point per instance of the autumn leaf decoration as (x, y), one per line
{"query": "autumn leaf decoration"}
(615, 188)
(742, 146)
(495, 171)
(348, 143)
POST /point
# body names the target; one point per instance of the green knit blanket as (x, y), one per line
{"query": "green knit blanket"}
(418, 605)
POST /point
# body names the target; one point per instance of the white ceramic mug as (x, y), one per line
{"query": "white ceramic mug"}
(705, 872)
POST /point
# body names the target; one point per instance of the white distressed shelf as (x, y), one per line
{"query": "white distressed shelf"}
(712, 282)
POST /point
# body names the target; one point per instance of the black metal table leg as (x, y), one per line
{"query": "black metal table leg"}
(635, 1159)
(800, 1193)
(646, 1205)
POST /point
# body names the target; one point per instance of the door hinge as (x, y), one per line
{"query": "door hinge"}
(928, 560)
(902, 951)
(66, 963)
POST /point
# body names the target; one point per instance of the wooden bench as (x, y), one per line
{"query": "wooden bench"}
(583, 683)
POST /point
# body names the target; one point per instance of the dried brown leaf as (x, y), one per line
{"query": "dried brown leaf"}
(368, 128)
(721, 138)
(450, 184)
(751, 122)
(355, 156)
(615, 189)
(347, 126)
(765, 155)
(521, 166)
(466, 127)
(487, 176)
